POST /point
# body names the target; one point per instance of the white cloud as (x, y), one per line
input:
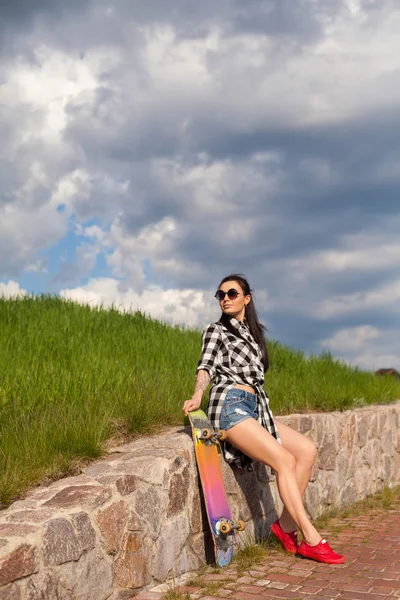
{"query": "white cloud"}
(11, 289)
(353, 339)
(381, 298)
(366, 346)
(188, 307)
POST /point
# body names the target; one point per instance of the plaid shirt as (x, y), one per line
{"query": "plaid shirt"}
(231, 360)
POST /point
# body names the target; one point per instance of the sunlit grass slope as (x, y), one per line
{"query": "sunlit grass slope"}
(72, 376)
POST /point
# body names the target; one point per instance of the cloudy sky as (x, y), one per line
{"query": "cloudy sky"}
(149, 148)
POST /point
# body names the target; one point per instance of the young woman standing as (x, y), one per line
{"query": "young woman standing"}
(234, 355)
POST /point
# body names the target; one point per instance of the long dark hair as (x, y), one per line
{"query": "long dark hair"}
(257, 329)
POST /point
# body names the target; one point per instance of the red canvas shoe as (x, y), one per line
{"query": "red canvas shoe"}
(322, 552)
(289, 540)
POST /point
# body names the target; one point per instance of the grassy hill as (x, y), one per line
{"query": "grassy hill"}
(73, 377)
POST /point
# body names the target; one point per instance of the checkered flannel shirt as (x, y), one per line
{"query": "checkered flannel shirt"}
(231, 360)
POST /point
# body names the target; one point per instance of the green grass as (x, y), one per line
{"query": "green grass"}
(72, 377)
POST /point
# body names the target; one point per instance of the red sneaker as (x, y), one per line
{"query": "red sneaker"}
(289, 540)
(322, 552)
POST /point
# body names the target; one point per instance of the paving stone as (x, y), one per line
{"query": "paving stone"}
(215, 577)
(277, 585)
(245, 580)
(284, 578)
(263, 582)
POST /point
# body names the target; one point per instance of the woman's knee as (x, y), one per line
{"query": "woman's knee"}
(310, 452)
(286, 462)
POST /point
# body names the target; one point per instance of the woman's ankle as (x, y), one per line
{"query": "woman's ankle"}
(287, 524)
(312, 539)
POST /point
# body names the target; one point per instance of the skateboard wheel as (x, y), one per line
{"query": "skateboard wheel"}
(222, 435)
(225, 527)
(205, 434)
(241, 526)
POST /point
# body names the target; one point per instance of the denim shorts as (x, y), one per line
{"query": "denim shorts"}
(238, 406)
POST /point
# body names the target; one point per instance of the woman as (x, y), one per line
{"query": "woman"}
(234, 354)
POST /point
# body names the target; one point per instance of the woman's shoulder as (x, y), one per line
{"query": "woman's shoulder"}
(214, 327)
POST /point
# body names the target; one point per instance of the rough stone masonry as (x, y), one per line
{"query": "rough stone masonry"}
(135, 518)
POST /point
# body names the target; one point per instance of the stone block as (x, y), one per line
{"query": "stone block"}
(112, 522)
(186, 561)
(327, 453)
(314, 471)
(98, 469)
(133, 564)
(361, 430)
(178, 492)
(147, 469)
(342, 464)
(388, 468)
(319, 428)
(74, 480)
(16, 529)
(11, 592)
(172, 539)
(85, 533)
(312, 500)
(89, 578)
(305, 424)
(388, 441)
(197, 545)
(75, 495)
(229, 474)
(350, 432)
(46, 585)
(195, 511)
(20, 562)
(126, 484)
(292, 421)
(30, 516)
(263, 473)
(149, 504)
(362, 481)
(60, 543)
(347, 495)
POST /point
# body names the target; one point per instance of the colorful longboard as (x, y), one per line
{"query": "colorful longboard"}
(217, 507)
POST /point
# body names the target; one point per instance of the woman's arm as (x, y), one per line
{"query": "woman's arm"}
(206, 369)
(202, 381)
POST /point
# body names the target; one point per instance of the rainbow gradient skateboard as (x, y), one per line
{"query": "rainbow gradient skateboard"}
(222, 526)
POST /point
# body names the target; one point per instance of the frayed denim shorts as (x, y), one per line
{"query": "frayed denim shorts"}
(238, 406)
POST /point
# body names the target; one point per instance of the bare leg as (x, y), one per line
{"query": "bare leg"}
(305, 453)
(255, 441)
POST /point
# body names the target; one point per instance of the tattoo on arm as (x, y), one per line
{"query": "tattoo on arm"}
(202, 381)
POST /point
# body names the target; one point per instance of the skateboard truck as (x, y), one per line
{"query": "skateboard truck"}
(214, 436)
(227, 526)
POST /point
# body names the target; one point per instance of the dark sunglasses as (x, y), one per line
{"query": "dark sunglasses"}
(232, 294)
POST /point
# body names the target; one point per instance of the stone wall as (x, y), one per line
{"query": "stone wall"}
(135, 518)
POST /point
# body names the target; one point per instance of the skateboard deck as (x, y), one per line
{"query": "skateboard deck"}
(216, 501)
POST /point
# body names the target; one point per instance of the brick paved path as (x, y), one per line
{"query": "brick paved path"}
(370, 543)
